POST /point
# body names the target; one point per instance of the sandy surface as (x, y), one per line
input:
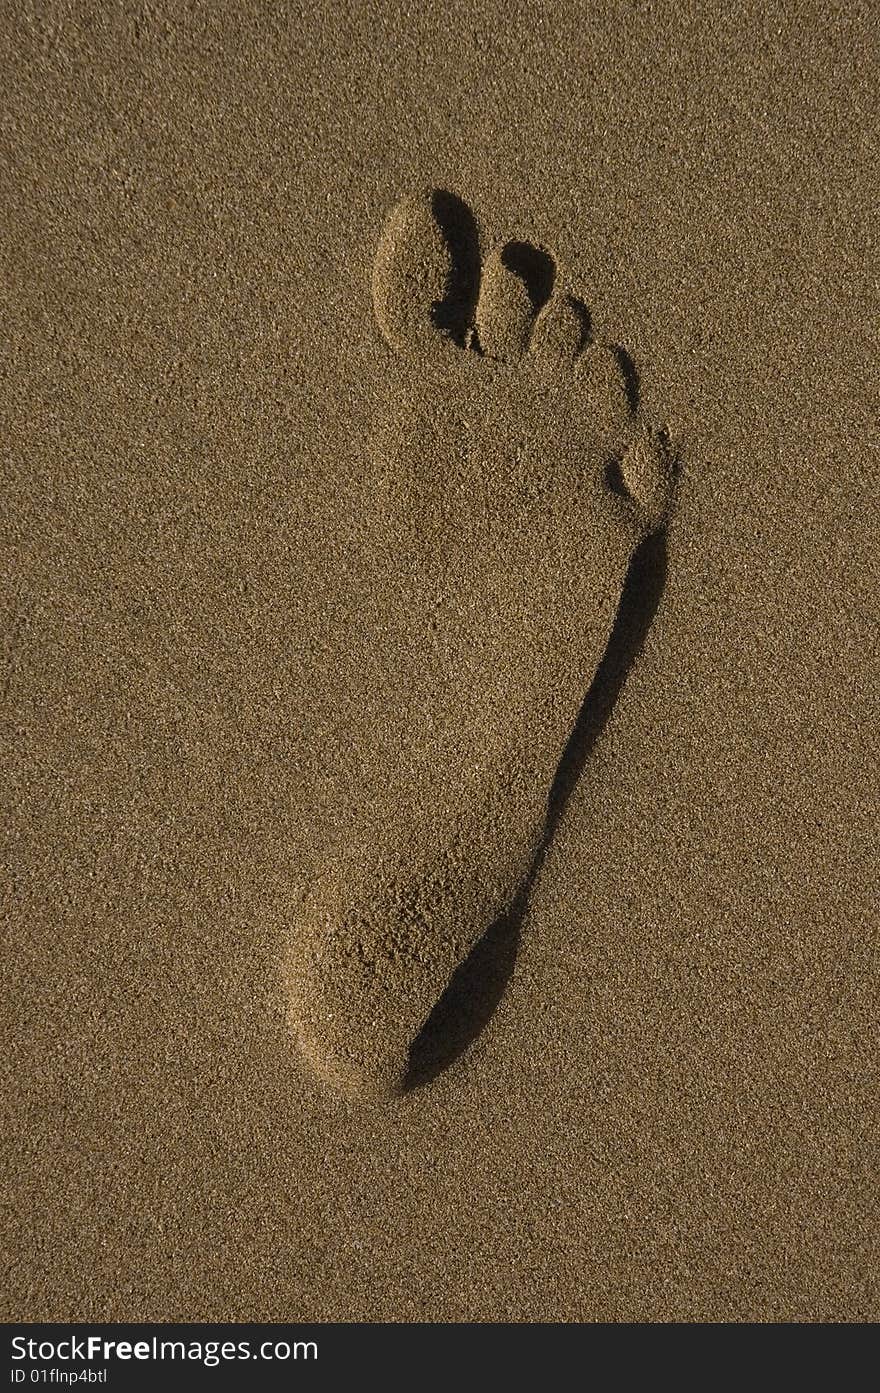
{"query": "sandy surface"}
(671, 1112)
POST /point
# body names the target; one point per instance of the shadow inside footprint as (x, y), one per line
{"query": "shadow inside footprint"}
(535, 268)
(454, 314)
(631, 380)
(478, 984)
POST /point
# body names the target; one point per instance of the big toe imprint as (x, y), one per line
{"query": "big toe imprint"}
(515, 484)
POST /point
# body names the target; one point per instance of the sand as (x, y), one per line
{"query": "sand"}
(339, 629)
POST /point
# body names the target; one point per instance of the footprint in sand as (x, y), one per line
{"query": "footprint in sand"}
(514, 483)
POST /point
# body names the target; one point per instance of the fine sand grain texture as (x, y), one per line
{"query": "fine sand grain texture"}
(440, 675)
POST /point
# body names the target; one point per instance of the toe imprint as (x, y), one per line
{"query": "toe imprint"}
(426, 272)
(517, 283)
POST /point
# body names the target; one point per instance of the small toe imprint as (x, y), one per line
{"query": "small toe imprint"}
(647, 468)
(607, 388)
(517, 282)
(562, 330)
